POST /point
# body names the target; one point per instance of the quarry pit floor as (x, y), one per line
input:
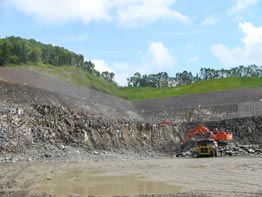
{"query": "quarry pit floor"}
(224, 176)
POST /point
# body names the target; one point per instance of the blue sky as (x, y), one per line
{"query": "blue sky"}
(146, 36)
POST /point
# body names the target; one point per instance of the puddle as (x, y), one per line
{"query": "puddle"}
(82, 184)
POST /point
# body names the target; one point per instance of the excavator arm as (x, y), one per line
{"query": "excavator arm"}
(202, 130)
(196, 131)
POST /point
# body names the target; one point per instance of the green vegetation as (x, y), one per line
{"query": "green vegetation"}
(19, 51)
(162, 80)
(71, 67)
(77, 76)
(140, 93)
(16, 50)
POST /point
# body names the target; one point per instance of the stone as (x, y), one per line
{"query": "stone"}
(96, 153)
(48, 178)
(252, 151)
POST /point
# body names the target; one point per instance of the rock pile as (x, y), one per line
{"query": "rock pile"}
(231, 149)
(237, 149)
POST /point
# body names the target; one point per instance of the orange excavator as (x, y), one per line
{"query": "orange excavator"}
(214, 135)
(208, 146)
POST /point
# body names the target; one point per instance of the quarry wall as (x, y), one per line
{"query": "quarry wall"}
(203, 107)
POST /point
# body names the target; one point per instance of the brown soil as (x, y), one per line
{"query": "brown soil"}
(161, 177)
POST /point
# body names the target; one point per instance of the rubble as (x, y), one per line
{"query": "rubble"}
(231, 149)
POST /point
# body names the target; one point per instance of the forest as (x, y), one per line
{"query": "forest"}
(19, 51)
(162, 79)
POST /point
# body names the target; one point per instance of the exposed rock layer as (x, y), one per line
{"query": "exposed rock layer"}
(67, 119)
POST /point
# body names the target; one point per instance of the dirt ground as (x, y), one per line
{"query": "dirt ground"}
(227, 176)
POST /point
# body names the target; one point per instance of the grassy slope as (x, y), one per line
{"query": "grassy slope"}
(78, 77)
(200, 87)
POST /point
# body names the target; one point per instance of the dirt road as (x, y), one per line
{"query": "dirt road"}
(166, 177)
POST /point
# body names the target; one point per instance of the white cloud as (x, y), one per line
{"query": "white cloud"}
(126, 12)
(253, 34)
(192, 59)
(139, 12)
(101, 65)
(251, 53)
(241, 5)
(51, 11)
(121, 66)
(160, 56)
(121, 70)
(79, 37)
(210, 21)
(157, 59)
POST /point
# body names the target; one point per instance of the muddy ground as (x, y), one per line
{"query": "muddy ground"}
(228, 176)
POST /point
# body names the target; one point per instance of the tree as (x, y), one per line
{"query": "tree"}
(184, 78)
(135, 80)
(89, 66)
(4, 53)
(16, 50)
(163, 79)
(109, 76)
(35, 55)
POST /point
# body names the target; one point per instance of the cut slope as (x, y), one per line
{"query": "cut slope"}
(77, 76)
(90, 99)
(200, 100)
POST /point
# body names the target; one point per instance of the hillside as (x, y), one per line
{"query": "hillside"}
(16, 51)
(19, 51)
(68, 66)
(205, 100)
(142, 93)
(76, 76)
(21, 85)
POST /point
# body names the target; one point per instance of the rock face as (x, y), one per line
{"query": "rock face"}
(34, 88)
(64, 123)
(50, 130)
(50, 127)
